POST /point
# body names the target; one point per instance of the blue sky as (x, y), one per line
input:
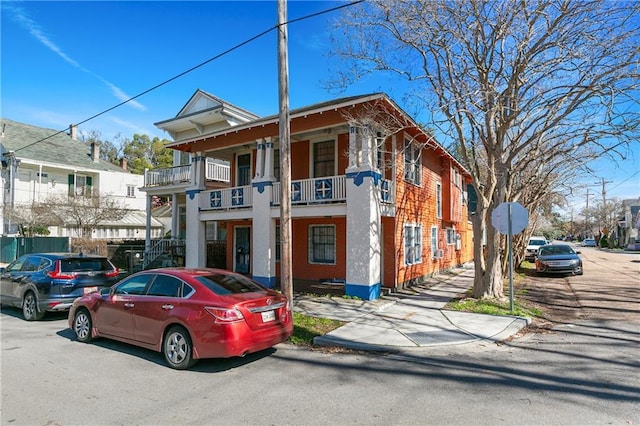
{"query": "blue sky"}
(63, 62)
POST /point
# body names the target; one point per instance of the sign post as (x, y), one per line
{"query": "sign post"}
(510, 218)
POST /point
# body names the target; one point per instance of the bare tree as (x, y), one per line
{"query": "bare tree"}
(29, 222)
(81, 213)
(528, 93)
(109, 151)
(606, 216)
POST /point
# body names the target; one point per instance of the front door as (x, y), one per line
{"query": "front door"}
(242, 258)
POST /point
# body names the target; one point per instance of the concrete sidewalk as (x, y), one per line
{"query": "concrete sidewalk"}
(413, 318)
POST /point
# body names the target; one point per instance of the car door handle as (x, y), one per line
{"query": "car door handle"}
(129, 305)
(167, 307)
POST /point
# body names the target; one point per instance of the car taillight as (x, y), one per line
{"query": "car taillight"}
(224, 314)
(113, 274)
(57, 274)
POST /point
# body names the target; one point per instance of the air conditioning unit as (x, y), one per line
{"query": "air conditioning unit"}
(437, 254)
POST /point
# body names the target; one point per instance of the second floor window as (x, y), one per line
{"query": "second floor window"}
(412, 164)
(323, 159)
(244, 169)
(438, 200)
(80, 186)
(276, 164)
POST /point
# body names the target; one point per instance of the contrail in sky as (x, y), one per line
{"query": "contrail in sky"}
(34, 29)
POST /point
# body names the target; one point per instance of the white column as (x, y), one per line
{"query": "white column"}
(174, 216)
(366, 141)
(263, 235)
(147, 236)
(268, 159)
(363, 219)
(363, 236)
(260, 159)
(195, 243)
(353, 147)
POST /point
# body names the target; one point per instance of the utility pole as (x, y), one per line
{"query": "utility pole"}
(604, 205)
(587, 214)
(286, 282)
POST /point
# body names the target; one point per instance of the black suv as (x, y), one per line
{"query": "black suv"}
(52, 281)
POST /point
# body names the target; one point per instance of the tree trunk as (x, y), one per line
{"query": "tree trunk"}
(487, 281)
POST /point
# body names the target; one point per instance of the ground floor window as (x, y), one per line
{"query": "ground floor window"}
(412, 244)
(434, 240)
(322, 244)
(451, 236)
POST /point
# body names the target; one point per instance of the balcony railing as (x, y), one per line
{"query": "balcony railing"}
(323, 190)
(217, 172)
(182, 174)
(228, 198)
(170, 176)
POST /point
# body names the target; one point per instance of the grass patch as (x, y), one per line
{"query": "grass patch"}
(492, 307)
(305, 328)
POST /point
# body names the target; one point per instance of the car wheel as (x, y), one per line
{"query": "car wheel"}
(178, 349)
(82, 326)
(30, 307)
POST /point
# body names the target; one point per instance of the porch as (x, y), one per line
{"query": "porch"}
(181, 175)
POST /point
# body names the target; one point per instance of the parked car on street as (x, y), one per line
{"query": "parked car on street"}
(43, 282)
(589, 242)
(533, 246)
(186, 313)
(558, 259)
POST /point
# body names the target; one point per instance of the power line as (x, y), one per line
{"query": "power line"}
(218, 56)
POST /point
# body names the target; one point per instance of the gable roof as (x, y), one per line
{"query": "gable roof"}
(42, 145)
(204, 109)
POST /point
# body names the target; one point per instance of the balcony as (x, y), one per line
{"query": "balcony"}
(181, 175)
(318, 191)
(324, 190)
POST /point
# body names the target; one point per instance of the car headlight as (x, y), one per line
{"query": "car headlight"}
(574, 262)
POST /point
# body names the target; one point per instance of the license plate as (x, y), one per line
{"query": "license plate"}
(268, 316)
(88, 290)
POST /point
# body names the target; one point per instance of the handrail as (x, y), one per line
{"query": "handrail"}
(159, 248)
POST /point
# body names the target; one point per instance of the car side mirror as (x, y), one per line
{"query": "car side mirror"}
(104, 292)
(578, 252)
(3, 269)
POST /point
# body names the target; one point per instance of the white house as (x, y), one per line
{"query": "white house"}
(39, 162)
(629, 227)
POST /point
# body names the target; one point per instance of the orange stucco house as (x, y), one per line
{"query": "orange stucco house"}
(376, 202)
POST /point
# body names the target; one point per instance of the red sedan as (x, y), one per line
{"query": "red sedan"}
(186, 314)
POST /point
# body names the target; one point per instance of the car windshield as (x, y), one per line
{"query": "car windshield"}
(229, 284)
(537, 242)
(551, 250)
